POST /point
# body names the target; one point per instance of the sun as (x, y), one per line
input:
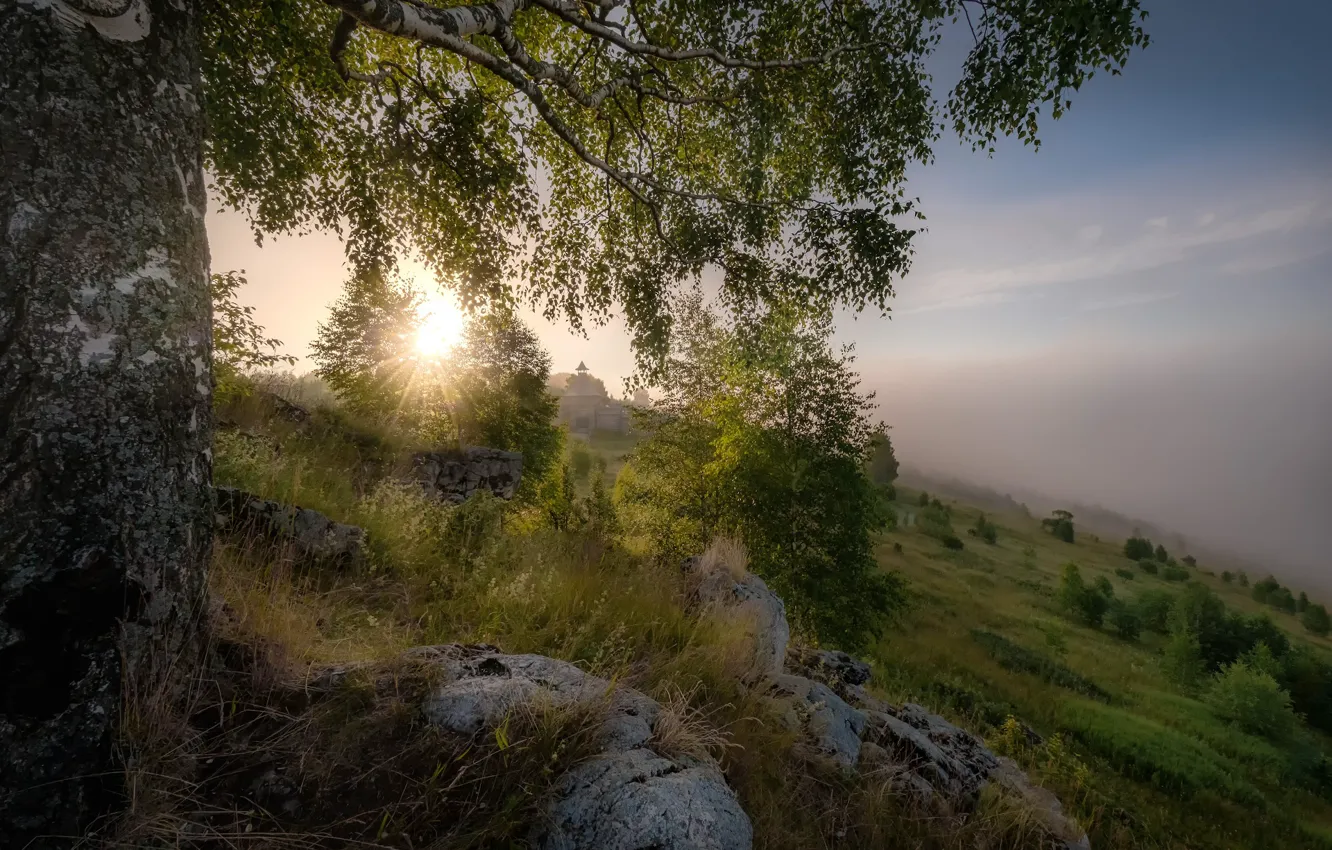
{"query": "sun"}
(441, 327)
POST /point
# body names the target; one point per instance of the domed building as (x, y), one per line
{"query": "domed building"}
(585, 406)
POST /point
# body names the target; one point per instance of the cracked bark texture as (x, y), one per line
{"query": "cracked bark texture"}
(105, 391)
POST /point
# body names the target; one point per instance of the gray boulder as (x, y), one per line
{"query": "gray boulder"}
(832, 727)
(454, 476)
(627, 797)
(637, 799)
(745, 596)
(313, 538)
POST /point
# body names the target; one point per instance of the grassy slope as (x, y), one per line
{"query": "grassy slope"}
(1147, 768)
(1151, 768)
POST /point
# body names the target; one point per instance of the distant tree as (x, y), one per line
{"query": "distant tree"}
(1316, 620)
(1126, 574)
(1301, 602)
(494, 388)
(1060, 524)
(363, 350)
(1148, 565)
(1227, 576)
(1137, 548)
(1243, 579)
(935, 503)
(985, 530)
(1282, 599)
(1190, 560)
(924, 499)
(882, 465)
(1161, 554)
(1263, 590)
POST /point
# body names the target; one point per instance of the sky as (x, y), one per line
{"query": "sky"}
(1139, 315)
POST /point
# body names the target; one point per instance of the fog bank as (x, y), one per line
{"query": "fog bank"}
(1228, 444)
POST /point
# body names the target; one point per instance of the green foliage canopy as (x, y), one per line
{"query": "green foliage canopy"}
(762, 433)
(769, 141)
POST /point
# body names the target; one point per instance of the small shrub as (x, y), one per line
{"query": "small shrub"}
(1147, 565)
(1175, 574)
(1252, 700)
(1189, 560)
(1161, 554)
(952, 541)
(1227, 576)
(1126, 574)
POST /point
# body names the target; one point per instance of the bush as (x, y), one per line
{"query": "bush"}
(1315, 619)
(952, 541)
(1189, 560)
(1175, 574)
(1243, 579)
(1147, 565)
(1125, 574)
(1125, 620)
(1161, 554)
(924, 499)
(1252, 700)
(1227, 576)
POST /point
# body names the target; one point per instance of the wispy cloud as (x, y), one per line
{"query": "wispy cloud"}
(1133, 299)
(1088, 256)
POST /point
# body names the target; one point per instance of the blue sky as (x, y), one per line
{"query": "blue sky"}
(1171, 242)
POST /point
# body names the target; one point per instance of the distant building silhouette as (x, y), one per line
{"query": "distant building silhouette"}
(585, 406)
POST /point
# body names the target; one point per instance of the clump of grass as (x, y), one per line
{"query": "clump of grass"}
(1014, 657)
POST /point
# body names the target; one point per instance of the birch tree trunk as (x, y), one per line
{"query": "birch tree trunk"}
(105, 391)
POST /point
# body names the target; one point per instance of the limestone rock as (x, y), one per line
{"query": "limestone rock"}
(314, 538)
(832, 727)
(637, 799)
(454, 476)
(746, 595)
(834, 668)
(627, 797)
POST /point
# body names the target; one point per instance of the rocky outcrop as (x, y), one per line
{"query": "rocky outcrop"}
(314, 539)
(455, 476)
(626, 797)
(744, 596)
(821, 693)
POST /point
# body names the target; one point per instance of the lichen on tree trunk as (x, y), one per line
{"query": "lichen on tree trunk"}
(105, 390)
